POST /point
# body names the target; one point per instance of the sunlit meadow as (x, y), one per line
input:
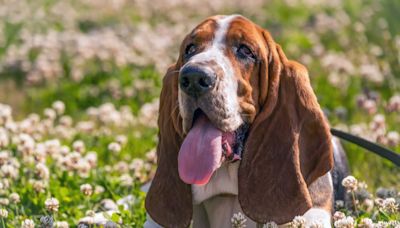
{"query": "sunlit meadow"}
(79, 86)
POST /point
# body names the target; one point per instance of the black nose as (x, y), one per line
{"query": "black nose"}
(195, 81)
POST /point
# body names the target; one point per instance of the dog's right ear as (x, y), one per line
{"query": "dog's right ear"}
(169, 200)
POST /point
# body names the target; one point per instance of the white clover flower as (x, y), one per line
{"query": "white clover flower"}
(238, 220)
(64, 150)
(126, 180)
(9, 171)
(394, 223)
(14, 197)
(347, 222)
(4, 201)
(79, 146)
(25, 143)
(390, 205)
(381, 224)
(59, 107)
(3, 213)
(151, 156)
(114, 147)
(61, 224)
(366, 223)
(338, 215)
(87, 189)
(28, 223)
(42, 171)
(316, 224)
(5, 114)
(121, 167)
(393, 138)
(121, 139)
(370, 106)
(83, 168)
(52, 204)
(4, 138)
(38, 185)
(4, 184)
(137, 164)
(98, 189)
(350, 183)
(52, 146)
(4, 156)
(66, 121)
(298, 222)
(50, 113)
(91, 158)
(394, 103)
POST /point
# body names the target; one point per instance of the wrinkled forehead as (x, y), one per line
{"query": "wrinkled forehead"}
(222, 30)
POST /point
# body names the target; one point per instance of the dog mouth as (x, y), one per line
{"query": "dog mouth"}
(206, 147)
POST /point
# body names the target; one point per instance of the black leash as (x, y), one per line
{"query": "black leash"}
(373, 147)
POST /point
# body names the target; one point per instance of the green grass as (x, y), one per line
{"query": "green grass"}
(295, 27)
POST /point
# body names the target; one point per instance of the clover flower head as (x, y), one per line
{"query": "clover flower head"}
(59, 107)
(316, 224)
(238, 220)
(28, 223)
(121, 139)
(347, 222)
(4, 201)
(52, 204)
(3, 213)
(350, 183)
(61, 224)
(114, 147)
(390, 205)
(14, 197)
(79, 146)
(366, 223)
(87, 189)
(42, 171)
(298, 222)
(50, 113)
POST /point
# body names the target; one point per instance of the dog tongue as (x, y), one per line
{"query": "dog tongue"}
(200, 153)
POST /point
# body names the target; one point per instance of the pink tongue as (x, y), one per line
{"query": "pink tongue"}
(200, 153)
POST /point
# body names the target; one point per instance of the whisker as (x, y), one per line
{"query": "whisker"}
(173, 72)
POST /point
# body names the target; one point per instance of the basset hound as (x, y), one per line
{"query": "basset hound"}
(240, 130)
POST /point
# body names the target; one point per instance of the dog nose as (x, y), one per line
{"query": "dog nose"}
(195, 81)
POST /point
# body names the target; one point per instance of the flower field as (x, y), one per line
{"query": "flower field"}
(79, 87)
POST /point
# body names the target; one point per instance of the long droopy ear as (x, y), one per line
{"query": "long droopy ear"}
(288, 146)
(169, 200)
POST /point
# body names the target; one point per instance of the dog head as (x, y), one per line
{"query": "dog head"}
(231, 78)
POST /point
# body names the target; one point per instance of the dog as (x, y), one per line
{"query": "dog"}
(240, 130)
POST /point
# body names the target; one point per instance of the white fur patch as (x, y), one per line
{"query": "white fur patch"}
(223, 181)
(221, 104)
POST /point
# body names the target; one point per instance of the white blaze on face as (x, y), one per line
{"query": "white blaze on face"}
(226, 83)
(216, 50)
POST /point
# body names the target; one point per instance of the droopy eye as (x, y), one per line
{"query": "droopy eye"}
(190, 49)
(245, 52)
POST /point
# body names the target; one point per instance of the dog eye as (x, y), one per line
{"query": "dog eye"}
(190, 49)
(245, 52)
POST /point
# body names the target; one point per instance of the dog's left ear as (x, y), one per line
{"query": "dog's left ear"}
(289, 143)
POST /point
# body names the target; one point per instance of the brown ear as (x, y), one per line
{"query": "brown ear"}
(288, 146)
(169, 200)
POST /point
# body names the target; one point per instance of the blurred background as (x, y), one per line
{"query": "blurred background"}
(103, 60)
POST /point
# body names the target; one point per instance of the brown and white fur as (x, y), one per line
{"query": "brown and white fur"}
(287, 161)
